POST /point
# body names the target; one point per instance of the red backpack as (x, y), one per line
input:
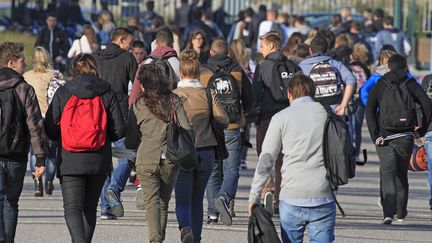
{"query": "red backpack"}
(83, 124)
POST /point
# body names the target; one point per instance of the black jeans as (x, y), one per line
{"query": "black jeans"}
(80, 200)
(11, 184)
(394, 157)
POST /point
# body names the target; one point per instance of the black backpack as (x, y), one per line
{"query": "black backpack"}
(227, 90)
(328, 84)
(261, 228)
(282, 71)
(397, 110)
(164, 64)
(14, 136)
(338, 153)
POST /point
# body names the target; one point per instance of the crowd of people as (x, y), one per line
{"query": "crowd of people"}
(121, 89)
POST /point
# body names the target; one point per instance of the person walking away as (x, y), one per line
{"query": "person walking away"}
(305, 197)
(427, 87)
(191, 185)
(39, 78)
(87, 44)
(147, 132)
(86, 160)
(334, 82)
(235, 92)
(358, 66)
(393, 132)
(20, 110)
(117, 66)
(392, 36)
(165, 57)
(270, 101)
(55, 41)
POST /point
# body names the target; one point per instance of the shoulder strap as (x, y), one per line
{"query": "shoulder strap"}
(209, 101)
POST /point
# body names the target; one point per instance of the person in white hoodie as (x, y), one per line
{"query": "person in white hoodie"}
(87, 44)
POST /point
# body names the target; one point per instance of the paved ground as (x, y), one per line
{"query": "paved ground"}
(41, 219)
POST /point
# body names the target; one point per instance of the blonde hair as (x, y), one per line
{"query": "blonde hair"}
(385, 56)
(89, 32)
(239, 51)
(41, 60)
(312, 34)
(360, 53)
(189, 64)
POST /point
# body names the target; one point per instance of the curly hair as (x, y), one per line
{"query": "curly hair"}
(10, 51)
(156, 94)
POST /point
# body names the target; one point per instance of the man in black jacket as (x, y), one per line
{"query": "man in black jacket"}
(55, 41)
(15, 92)
(263, 84)
(117, 66)
(394, 148)
(222, 187)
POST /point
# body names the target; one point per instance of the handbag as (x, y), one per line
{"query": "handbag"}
(180, 146)
(221, 151)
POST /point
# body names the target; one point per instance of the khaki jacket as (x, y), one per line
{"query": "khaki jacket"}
(40, 81)
(197, 108)
(153, 131)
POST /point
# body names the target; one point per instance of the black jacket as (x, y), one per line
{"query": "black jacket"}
(34, 128)
(97, 162)
(375, 96)
(60, 44)
(117, 67)
(261, 228)
(268, 106)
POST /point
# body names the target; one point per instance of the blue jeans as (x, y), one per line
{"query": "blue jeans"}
(355, 126)
(223, 181)
(189, 192)
(11, 185)
(428, 149)
(50, 161)
(118, 179)
(320, 222)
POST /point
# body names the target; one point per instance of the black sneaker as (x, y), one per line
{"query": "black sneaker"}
(212, 220)
(223, 209)
(114, 203)
(49, 187)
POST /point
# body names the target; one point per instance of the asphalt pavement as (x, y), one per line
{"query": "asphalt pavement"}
(41, 219)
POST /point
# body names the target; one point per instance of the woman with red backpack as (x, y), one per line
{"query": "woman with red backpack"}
(84, 116)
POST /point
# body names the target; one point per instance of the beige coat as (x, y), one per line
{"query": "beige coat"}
(40, 81)
(197, 108)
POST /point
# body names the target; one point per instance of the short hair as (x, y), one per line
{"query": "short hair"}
(51, 14)
(319, 45)
(273, 38)
(10, 51)
(150, 5)
(249, 12)
(342, 40)
(301, 85)
(262, 8)
(189, 64)
(302, 50)
(219, 46)
(273, 12)
(385, 56)
(164, 36)
(397, 62)
(84, 64)
(356, 25)
(329, 36)
(138, 44)
(388, 20)
(121, 32)
(379, 12)
(196, 14)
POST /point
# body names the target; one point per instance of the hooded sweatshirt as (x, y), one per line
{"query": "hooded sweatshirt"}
(375, 97)
(161, 52)
(117, 66)
(36, 134)
(85, 87)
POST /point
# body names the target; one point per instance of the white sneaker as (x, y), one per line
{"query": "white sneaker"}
(139, 199)
(387, 220)
(268, 202)
(379, 202)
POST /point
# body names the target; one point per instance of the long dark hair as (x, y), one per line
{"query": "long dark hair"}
(204, 47)
(156, 95)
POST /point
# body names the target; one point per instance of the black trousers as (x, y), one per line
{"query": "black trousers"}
(394, 157)
(80, 200)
